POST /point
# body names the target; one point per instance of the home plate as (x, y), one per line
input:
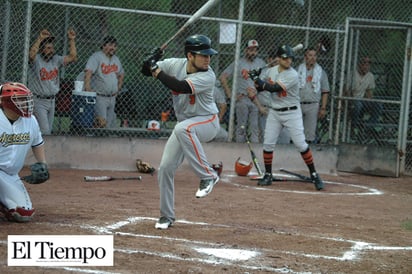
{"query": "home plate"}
(228, 253)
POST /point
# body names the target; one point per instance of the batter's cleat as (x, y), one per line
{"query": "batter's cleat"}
(316, 180)
(266, 180)
(163, 223)
(206, 186)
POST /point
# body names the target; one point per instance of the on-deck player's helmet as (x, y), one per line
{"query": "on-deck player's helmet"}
(199, 44)
(242, 168)
(17, 97)
(285, 51)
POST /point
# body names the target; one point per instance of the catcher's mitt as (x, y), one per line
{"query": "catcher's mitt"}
(39, 174)
(218, 168)
(144, 167)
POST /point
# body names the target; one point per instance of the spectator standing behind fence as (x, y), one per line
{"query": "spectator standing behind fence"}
(361, 85)
(314, 91)
(44, 75)
(105, 71)
(282, 82)
(191, 80)
(246, 111)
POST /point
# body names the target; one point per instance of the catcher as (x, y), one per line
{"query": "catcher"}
(19, 132)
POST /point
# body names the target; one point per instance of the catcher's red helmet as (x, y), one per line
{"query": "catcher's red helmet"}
(17, 97)
(242, 168)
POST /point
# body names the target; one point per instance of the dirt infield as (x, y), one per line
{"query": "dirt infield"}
(359, 224)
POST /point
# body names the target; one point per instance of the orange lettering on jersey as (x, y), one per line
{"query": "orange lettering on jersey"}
(107, 69)
(48, 75)
(309, 79)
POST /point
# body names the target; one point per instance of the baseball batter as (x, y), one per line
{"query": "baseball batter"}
(44, 77)
(108, 74)
(284, 111)
(19, 131)
(192, 81)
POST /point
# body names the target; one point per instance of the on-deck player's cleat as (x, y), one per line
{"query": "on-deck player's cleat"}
(316, 180)
(266, 180)
(206, 186)
(163, 223)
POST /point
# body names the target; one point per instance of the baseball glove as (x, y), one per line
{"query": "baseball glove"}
(218, 168)
(144, 167)
(39, 174)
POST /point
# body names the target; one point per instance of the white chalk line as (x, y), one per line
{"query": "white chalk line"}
(368, 190)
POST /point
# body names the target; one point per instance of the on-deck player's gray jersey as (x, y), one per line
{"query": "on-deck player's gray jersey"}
(201, 101)
(44, 79)
(105, 71)
(245, 66)
(288, 79)
(15, 141)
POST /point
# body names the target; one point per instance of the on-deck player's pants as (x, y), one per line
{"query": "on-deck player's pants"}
(13, 193)
(292, 121)
(185, 143)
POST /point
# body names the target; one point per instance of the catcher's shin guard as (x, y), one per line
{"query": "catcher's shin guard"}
(18, 214)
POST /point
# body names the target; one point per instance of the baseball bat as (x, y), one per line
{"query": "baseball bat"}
(199, 13)
(109, 178)
(300, 176)
(280, 179)
(252, 154)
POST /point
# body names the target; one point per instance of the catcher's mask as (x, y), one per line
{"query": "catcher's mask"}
(242, 168)
(18, 98)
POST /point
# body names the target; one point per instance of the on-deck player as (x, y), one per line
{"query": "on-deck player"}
(192, 81)
(284, 111)
(19, 131)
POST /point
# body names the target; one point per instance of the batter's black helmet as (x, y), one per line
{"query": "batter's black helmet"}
(285, 51)
(199, 44)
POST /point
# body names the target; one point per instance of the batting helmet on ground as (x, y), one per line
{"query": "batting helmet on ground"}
(242, 168)
(199, 44)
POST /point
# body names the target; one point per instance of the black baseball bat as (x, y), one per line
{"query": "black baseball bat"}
(300, 176)
(280, 179)
(253, 155)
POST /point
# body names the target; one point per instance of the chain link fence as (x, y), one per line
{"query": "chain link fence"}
(141, 25)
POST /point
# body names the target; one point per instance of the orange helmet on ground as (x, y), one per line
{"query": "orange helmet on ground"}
(242, 168)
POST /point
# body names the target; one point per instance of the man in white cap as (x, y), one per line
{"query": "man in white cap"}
(247, 113)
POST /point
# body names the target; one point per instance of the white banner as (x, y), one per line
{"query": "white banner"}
(227, 33)
(60, 250)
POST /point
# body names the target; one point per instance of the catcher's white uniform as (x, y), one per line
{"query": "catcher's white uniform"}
(16, 139)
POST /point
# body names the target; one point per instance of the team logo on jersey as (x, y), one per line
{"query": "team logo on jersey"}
(14, 139)
(109, 68)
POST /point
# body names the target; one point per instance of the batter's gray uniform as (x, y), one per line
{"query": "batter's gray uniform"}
(246, 111)
(198, 122)
(105, 84)
(284, 109)
(313, 83)
(15, 142)
(44, 82)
